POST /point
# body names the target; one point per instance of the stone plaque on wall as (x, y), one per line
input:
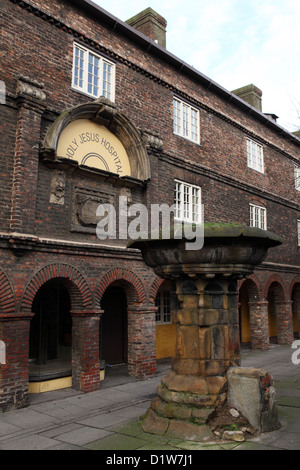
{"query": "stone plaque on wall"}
(84, 208)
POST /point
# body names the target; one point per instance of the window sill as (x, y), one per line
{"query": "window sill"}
(255, 169)
(187, 139)
(85, 93)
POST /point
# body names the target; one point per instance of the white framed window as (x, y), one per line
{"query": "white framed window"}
(187, 200)
(258, 217)
(163, 304)
(255, 158)
(93, 74)
(186, 121)
(297, 178)
(298, 231)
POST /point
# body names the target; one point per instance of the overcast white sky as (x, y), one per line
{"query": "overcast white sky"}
(235, 43)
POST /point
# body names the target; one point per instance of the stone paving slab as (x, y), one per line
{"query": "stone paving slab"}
(27, 418)
(117, 442)
(28, 443)
(103, 420)
(83, 435)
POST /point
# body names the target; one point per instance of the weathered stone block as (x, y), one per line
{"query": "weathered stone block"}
(173, 411)
(185, 383)
(204, 343)
(219, 342)
(187, 317)
(188, 431)
(216, 367)
(188, 341)
(154, 424)
(188, 301)
(188, 398)
(215, 384)
(202, 413)
(251, 392)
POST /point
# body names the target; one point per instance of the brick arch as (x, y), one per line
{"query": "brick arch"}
(295, 280)
(80, 294)
(275, 278)
(254, 287)
(155, 288)
(7, 298)
(119, 274)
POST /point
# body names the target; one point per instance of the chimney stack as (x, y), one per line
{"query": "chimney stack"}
(151, 24)
(251, 94)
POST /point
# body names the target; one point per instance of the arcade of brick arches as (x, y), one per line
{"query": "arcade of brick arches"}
(268, 312)
(70, 304)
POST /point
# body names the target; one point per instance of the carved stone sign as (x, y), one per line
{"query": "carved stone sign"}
(93, 145)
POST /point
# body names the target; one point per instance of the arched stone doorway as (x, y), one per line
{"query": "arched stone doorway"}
(140, 320)
(50, 345)
(85, 322)
(113, 331)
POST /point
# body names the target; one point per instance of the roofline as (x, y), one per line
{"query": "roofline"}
(128, 31)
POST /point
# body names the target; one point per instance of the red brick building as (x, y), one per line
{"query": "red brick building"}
(96, 109)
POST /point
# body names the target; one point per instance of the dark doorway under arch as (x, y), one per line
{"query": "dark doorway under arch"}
(113, 326)
(50, 346)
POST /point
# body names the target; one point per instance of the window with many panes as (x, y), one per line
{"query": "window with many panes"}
(187, 200)
(93, 74)
(186, 121)
(163, 304)
(297, 177)
(255, 159)
(258, 217)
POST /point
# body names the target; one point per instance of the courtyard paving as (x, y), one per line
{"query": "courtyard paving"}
(108, 420)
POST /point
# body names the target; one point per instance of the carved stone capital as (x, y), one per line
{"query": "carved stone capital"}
(31, 88)
(152, 139)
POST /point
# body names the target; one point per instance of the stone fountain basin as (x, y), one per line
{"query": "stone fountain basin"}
(227, 249)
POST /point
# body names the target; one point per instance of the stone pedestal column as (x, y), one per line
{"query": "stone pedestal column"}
(207, 344)
(85, 351)
(14, 370)
(207, 322)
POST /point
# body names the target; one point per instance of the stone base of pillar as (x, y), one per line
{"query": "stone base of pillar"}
(153, 423)
(183, 406)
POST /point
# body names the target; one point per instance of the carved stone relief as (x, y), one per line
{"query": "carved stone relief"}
(84, 208)
(57, 187)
